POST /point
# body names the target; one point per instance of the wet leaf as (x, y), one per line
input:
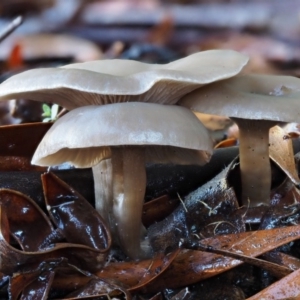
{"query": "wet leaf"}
(17, 163)
(27, 222)
(138, 274)
(98, 287)
(69, 280)
(207, 211)
(285, 288)
(73, 215)
(191, 266)
(19, 181)
(35, 281)
(283, 259)
(15, 141)
(280, 215)
(13, 259)
(39, 289)
(184, 294)
(31, 286)
(274, 269)
(157, 209)
(20, 281)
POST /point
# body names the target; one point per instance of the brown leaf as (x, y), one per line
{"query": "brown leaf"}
(286, 194)
(36, 280)
(27, 222)
(13, 259)
(274, 269)
(138, 274)
(97, 287)
(192, 266)
(285, 288)
(227, 143)
(283, 259)
(39, 289)
(74, 216)
(81, 178)
(31, 285)
(18, 163)
(205, 211)
(15, 141)
(282, 153)
(157, 209)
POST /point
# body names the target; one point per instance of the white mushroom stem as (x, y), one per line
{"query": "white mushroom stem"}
(104, 191)
(254, 161)
(120, 184)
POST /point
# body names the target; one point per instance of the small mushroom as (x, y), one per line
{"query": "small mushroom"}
(109, 81)
(256, 103)
(131, 134)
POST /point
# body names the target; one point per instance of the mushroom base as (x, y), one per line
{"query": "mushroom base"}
(254, 161)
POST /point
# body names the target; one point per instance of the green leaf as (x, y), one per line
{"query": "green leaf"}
(47, 110)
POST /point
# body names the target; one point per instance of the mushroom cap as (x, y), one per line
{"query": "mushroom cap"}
(254, 97)
(84, 135)
(111, 81)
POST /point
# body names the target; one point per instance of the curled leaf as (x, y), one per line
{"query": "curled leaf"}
(27, 222)
(13, 259)
(73, 215)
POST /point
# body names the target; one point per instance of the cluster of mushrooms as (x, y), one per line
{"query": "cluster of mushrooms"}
(124, 114)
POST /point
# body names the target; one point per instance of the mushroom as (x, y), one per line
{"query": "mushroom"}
(131, 134)
(109, 81)
(256, 103)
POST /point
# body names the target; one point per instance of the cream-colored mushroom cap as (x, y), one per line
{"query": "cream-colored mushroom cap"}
(84, 135)
(253, 97)
(110, 81)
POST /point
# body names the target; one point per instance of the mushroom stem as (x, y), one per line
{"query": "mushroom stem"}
(129, 185)
(254, 160)
(102, 173)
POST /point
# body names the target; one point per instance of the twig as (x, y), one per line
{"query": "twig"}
(14, 24)
(182, 203)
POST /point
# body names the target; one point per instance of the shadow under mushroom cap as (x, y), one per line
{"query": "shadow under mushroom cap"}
(110, 81)
(84, 135)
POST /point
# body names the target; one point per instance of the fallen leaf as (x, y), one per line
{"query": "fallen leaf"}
(191, 266)
(28, 224)
(74, 216)
(282, 153)
(285, 288)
